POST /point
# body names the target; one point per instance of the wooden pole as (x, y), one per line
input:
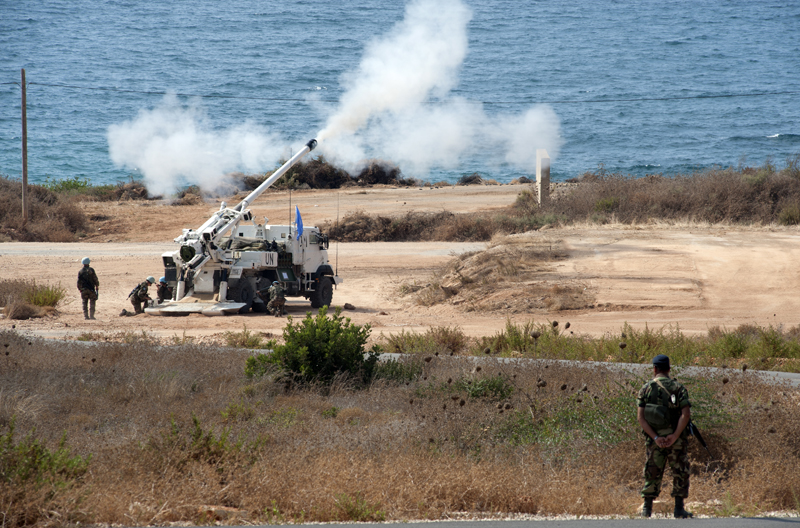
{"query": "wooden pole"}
(543, 175)
(24, 154)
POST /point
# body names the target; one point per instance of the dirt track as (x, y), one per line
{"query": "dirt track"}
(692, 276)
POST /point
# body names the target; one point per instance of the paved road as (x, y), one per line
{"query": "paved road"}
(757, 522)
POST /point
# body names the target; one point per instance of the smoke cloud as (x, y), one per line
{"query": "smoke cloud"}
(174, 144)
(397, 106)
(398, 103)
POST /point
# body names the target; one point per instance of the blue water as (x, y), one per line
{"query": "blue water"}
(611, 71)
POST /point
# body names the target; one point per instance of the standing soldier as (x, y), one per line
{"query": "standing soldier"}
(663, 412)
(139, 295)
(89, 286)
(163, 291)
(276, 299)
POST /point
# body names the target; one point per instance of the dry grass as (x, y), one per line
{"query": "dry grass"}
(746, 195)
(760, 195)
(24, 299)
(506, 277)
(439, 445)
(52, 217)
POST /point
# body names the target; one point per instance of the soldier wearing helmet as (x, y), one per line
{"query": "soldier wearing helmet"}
(163, 290)
(139, 296)
(88, 285)
(277, 300)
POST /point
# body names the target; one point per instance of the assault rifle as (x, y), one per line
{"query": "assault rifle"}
(694, 431)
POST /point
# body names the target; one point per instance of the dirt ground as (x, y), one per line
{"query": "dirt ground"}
(692, 276)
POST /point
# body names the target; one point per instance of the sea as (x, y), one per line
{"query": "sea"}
(634, 87)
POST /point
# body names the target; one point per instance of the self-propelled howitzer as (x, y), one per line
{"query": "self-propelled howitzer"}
(220, 267)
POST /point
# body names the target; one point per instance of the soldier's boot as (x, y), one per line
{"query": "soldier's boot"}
(647, 509)
(91, 314)
(86, 313)
(680, 513)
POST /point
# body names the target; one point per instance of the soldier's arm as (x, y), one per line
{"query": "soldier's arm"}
(649, 431)
(683, 421)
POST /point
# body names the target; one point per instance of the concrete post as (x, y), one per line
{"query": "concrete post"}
(543, 176)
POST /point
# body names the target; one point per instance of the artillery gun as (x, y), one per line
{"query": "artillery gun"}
(220, 267)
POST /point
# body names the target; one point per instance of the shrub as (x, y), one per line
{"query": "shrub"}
(21, 310)
(43, 295)
(33, 477)
(401, 371)
(245, 339)
(318, 349)
(438, 339)
(790, 214)
(492, 387)
(357, 509)
(66, 185)
(31, 461)
(51, 217)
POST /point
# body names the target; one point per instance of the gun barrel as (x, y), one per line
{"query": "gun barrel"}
(277, 174)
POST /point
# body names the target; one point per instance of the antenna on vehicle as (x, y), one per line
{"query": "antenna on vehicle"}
(338, 194)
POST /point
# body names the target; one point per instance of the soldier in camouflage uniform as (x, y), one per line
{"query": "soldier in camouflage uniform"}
(163, 290)
(663, 412)
(276, 299)
(89, 286)
(140, 296)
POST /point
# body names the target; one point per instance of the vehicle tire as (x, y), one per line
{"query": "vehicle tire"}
(243, 293)
(323, 295)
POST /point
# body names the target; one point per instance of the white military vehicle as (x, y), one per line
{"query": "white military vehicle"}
(220, 267)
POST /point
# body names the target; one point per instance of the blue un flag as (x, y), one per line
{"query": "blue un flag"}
(299, 222)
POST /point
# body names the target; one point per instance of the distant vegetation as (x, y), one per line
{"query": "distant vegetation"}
(54, 213)
(745, 195)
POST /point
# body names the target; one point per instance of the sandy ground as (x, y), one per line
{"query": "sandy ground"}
(691, 276)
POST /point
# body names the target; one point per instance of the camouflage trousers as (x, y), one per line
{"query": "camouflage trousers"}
(276, 306)
(88, 299)
(657, 458)
(137, 304)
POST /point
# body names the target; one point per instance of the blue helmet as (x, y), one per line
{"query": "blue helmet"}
(162, 279)
(85, 261)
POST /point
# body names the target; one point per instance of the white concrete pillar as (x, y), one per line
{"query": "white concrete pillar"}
(543, 176)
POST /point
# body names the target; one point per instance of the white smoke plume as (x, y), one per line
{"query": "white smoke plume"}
(398, 103)
(174, 145)
(398, 106)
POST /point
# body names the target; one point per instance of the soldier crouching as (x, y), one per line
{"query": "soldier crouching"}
(277, 299)
(139, 296)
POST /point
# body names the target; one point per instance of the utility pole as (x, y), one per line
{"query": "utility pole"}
(24, 154)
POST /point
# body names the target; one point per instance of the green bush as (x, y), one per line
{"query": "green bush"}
(28, 291)
(39, 295)
(30, 461)
(74, 184)
(318, 349)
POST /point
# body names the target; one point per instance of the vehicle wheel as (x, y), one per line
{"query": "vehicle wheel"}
(323, 295)
(243, 293)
